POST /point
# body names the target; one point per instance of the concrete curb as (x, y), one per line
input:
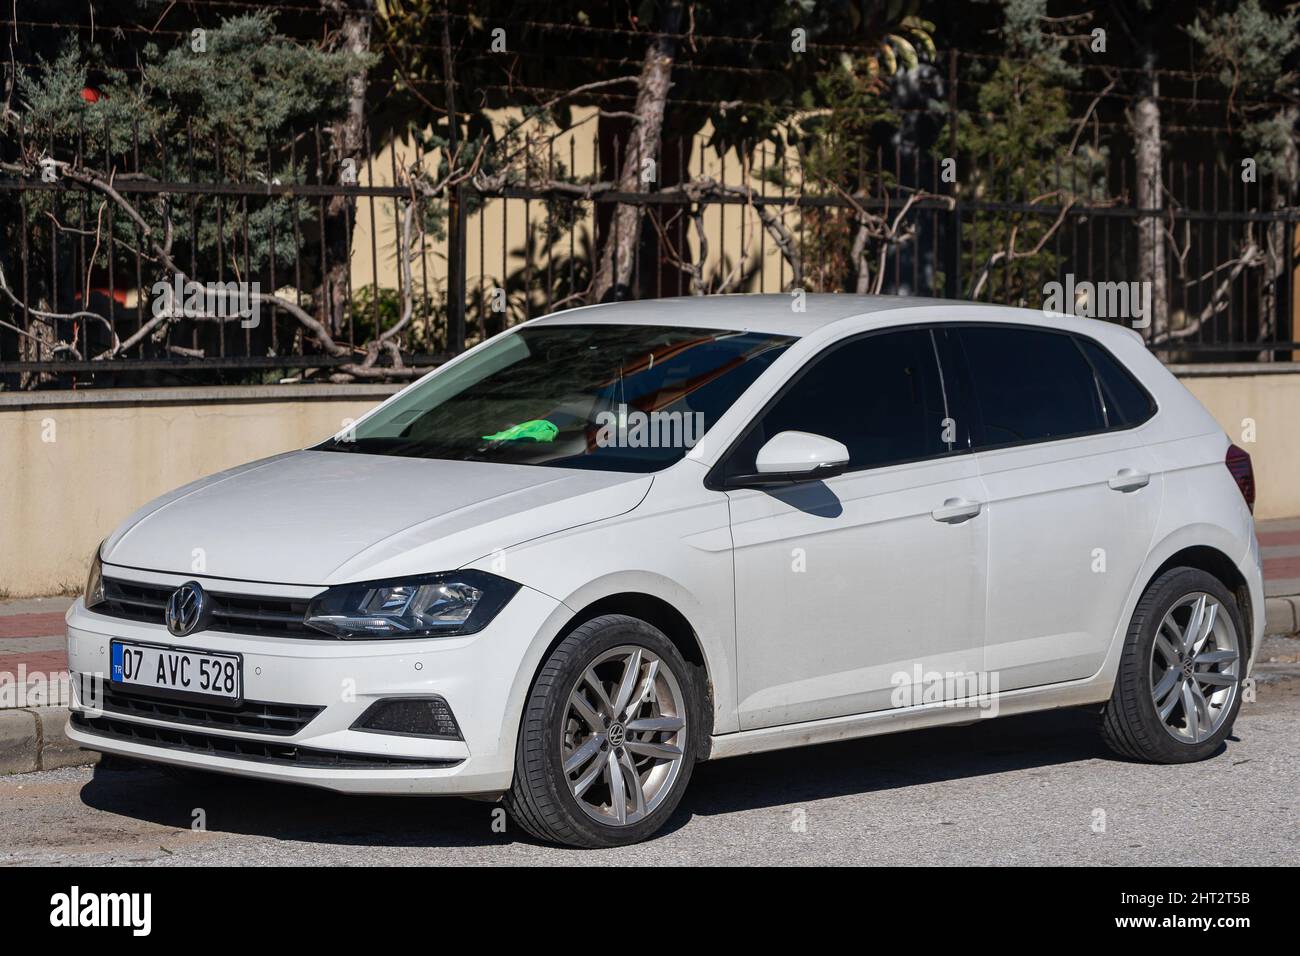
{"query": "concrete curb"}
(34, 738)
(1281, 616)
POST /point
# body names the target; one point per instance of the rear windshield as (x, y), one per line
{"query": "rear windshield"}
(614, 397)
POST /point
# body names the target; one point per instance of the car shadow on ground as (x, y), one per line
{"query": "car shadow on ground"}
(898, 760)
(284, 812)
(235, 805)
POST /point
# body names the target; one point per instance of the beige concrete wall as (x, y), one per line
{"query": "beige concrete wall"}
(72, 472)
(1261, 413)
(75, 465)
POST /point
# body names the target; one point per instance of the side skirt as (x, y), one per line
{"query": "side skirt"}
(969, 710)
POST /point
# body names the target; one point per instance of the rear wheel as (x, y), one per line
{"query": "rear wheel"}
(606, 745)
(1178, 689)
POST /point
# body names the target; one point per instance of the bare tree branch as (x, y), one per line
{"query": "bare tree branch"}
(1011, 254)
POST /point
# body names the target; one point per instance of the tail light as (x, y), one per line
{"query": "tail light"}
(1238, 462)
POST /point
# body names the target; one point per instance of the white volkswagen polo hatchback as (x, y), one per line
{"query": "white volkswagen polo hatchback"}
(613, 542)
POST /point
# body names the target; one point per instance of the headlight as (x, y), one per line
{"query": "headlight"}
(94, 581)
(431, 605)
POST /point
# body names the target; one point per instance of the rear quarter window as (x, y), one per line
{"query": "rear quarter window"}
(1127, 402)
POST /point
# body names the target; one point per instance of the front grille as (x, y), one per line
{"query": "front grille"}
(281, 720)
(232, 613)
(253, 750)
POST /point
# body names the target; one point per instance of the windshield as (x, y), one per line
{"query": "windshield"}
(613, 397)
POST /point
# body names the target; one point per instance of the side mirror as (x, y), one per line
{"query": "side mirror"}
(795, 456)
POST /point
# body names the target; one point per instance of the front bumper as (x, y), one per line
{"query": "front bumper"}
(477, 675)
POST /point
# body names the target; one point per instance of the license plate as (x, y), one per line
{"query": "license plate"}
(178, 671)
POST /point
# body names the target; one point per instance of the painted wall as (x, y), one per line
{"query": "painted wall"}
(72, 472)
(1268, 404)
(76, 464)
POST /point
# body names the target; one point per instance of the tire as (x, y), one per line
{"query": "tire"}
(543, 798)
(1131, 722)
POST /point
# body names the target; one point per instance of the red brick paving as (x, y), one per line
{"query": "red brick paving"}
(31, 625)
(1278, 539)
(48, 626)
(1286, 567)
(43, 661)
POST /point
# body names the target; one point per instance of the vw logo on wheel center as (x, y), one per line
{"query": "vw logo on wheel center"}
(186, 609)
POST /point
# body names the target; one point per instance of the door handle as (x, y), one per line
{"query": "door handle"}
(1128, 479)
(956, 510)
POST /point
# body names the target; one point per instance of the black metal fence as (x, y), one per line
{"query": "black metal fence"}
(90, 232)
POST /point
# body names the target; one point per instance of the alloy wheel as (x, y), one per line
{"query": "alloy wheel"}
(1195, 663)
(624, 735)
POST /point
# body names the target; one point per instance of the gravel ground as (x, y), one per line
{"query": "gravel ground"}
(1036, 789)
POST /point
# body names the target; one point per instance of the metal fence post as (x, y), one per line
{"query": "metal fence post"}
(456, 264)
(952, 269)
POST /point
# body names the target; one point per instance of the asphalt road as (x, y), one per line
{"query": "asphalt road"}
(1018, 790)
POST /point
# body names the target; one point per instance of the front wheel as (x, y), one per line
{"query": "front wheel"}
(606, 745)
(1178, 689)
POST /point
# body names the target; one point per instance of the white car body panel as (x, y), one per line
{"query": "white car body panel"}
(386, 516)
(676, 546)
(1051, 609)
(835, 547)
(895, 586)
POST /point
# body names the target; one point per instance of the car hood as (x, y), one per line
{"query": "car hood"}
(316, 517)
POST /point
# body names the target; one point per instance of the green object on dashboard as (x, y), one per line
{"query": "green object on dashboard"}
(539, 429)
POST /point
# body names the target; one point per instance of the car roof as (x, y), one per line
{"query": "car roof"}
(750, 312)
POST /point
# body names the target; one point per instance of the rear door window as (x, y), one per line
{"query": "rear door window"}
(1029, 385)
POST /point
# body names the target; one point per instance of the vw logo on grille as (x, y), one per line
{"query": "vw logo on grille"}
(187, 609)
